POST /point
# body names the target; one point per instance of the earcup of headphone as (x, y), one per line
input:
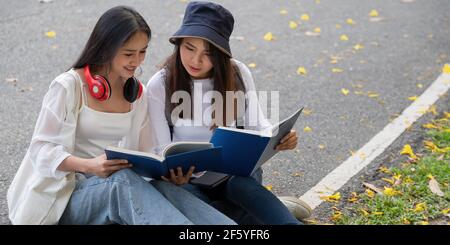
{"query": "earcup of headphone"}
(99, 87)
(132, 90)
(104, 88)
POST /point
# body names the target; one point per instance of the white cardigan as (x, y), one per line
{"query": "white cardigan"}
(39, 192)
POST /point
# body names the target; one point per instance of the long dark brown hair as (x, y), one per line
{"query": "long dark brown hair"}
(114, 28)
(224, 73)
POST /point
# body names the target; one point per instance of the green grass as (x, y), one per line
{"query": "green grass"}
(413, 189)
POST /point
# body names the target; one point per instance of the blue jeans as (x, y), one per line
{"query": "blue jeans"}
(246, 201)
(126, 198)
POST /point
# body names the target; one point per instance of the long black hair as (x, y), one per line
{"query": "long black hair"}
(224, 73)
(114, 28)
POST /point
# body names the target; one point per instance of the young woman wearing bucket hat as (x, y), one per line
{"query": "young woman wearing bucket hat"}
(202, 58)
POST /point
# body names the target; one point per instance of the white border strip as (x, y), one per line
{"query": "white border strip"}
(340, 175)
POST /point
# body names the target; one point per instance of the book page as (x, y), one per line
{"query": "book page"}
(136, 153)
(185, 146)
(281, 129)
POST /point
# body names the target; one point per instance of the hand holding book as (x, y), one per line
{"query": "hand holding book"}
(179, 178)
(288, 142)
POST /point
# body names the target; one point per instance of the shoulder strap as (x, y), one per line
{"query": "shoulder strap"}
(77, 91)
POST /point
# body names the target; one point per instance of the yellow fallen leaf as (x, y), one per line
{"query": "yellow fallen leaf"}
(269, 36)
(269, 187)
(50, 34)
(383, 169)
(283, 12)
(370, 193)
(433, 110)
(412, 98)
(372, 94)
(406, 221)
(390, 181)
(318, 1)
(307, 129)
(388, 191)
(317, 30)
(307, 112)
(298, 174)
(292, 24)
(446, 69)
(424, 223)
(358, 47)
(430, 126)
(337, 70)
(350, 21)
(344, 37)
(304, 17)
(377, 213)
(252, 65)
(419, 85)
(364, 212)
(420, 207)
(447, 114)
(345, 91)
(373, 13)
(407, 150)
(333, 61)
(432, 147)
(312, 34)
(446, 211)
(321, 146)
(302, 71)
(332, 198)
(338, 26)
(336, 216)
(353, 198)
(408, 180)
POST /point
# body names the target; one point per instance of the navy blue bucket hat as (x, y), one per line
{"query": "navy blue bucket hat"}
(208, 21)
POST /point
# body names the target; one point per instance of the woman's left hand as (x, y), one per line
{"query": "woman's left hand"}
(288, 142)
(179, 178)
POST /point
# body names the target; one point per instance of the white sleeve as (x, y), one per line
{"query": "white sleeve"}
(255, 118)
(54, 132)
(156, 98)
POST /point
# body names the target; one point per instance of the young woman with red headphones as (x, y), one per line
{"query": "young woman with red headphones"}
(65, 176)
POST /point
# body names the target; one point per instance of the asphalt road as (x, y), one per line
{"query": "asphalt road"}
(406, 45)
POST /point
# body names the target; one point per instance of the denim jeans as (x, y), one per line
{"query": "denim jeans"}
(247, 201)
(126, 198)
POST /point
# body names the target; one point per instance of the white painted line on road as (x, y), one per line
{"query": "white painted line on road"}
(364, 156)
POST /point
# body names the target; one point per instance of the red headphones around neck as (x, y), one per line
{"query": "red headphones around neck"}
(100, 88)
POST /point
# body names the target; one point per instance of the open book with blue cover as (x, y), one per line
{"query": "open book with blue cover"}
(244, 151)
(230, 151)
(202, 155)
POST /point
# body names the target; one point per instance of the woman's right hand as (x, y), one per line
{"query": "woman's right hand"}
(102, 167)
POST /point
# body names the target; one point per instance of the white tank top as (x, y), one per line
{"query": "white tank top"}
(96, 130)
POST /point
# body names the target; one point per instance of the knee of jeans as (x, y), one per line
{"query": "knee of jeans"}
(126, 176)
(163, 186)
(239, 183)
